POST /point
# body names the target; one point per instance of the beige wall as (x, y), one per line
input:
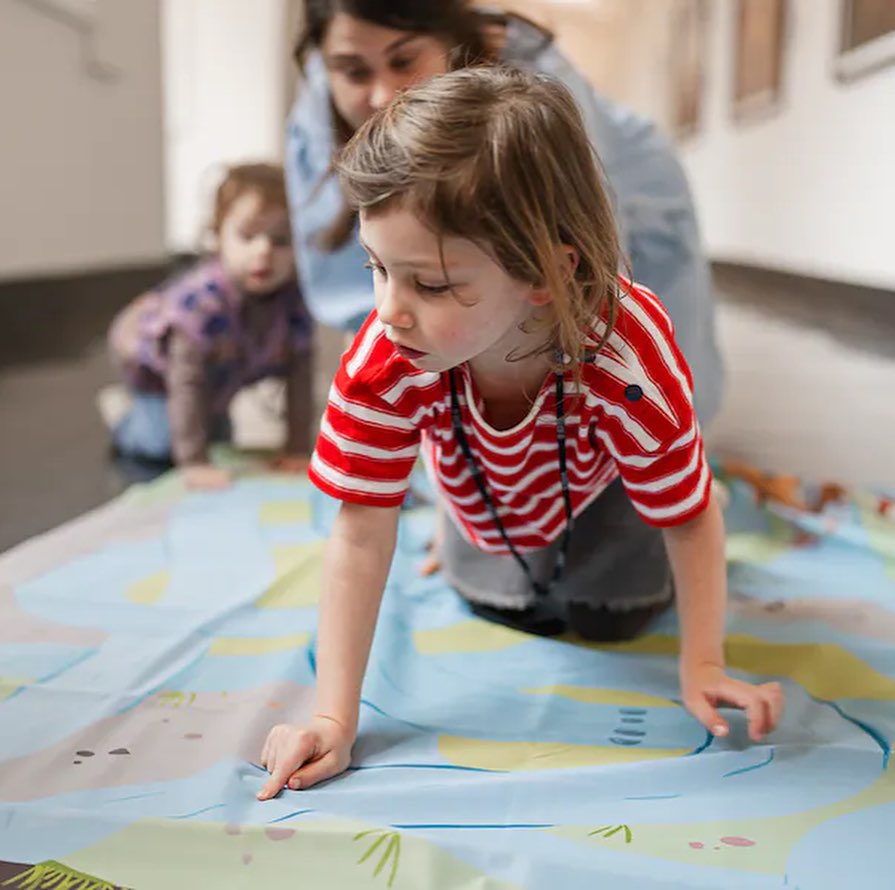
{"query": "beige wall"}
(808, 187)
(80, 139)
(621, 45)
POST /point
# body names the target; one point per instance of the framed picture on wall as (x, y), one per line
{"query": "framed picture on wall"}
(688, 65)
(867, 37)
(760, 42)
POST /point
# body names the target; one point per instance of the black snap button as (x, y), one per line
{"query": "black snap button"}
(633, 393)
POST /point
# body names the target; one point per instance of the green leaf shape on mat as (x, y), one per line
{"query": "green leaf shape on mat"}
(393, 848)
(53, 875)
(607, 831)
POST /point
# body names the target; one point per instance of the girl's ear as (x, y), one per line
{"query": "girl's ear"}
(567, 258)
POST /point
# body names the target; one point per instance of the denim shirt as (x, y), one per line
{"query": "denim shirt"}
(654, 209)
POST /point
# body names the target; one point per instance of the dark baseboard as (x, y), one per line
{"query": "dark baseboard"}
(59, 317)
(859, 316)
(734, 280)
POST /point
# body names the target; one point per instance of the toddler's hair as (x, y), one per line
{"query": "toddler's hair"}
(266, 180)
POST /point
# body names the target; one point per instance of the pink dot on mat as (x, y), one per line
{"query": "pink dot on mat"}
(233, 830)
(737, 841)
(246, 858)
(697, 845)
(279, 834)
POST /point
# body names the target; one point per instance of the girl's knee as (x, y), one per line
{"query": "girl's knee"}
(599, 624)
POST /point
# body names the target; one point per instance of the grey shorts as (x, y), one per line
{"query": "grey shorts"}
(615, 561)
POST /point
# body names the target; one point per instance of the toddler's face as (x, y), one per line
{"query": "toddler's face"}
(255, 245)
(437, 322)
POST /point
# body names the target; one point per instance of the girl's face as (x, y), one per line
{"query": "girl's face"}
(431, 325)
(368, 64)
(255, 246)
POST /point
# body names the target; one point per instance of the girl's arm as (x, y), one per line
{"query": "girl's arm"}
(356, 564)
(696, 552)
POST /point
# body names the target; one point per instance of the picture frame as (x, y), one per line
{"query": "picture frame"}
(866, 38)
(689, 66)
(759, 57)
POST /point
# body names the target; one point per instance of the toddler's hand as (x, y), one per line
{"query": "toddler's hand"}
(205, 477)
(291, 463)
(302, 756)
(704, 686)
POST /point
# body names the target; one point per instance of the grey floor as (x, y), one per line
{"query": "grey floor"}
(54, 450)
(810, 390)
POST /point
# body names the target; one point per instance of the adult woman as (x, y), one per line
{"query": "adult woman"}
(355, 55)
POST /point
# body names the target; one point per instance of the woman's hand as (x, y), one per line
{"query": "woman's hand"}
(431, 565)
(705, 686)
(302, 756)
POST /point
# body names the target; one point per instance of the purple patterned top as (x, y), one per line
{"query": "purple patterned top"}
(207, 307)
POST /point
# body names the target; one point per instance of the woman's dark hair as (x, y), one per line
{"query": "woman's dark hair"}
(456, 22)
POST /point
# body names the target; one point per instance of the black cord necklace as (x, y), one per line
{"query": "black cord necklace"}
(479, 478)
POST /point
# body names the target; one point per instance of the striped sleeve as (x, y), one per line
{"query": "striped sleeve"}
(370, 433)
(643, 397)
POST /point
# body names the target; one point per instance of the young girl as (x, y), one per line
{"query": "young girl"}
(357, 55)
(551, 403)
(189, 346)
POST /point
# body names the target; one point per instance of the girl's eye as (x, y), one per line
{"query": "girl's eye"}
(375, 267)
(432, 288)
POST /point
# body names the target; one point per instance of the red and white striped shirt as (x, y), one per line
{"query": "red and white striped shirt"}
(635, 419)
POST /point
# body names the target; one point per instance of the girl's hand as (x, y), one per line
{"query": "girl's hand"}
(302, 756)
(291, 463)
(205, 477)
(705, 686)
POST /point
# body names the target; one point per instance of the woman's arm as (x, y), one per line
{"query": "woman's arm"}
(356, 564)
(299, 404)
(696, 552)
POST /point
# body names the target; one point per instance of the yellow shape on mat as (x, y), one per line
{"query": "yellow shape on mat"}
(824, 670)
(489, 754)
(758, 845)
(621, 698)
(150, 590)
(299, 577)
(257, 645)
(754, 548)
(10, 685)
(285, 512)
(467, 636)
(330, 853)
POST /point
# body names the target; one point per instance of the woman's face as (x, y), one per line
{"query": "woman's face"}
(368, 64)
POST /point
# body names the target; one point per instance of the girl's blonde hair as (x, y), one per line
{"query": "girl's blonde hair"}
(500, 157)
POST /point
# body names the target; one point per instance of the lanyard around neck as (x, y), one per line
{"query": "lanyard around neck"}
(479, 479)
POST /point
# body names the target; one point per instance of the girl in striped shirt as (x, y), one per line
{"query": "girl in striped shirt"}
(545, 392)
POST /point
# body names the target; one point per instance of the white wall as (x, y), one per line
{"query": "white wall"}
(809, 190)
(225, 96)
(80, 156)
